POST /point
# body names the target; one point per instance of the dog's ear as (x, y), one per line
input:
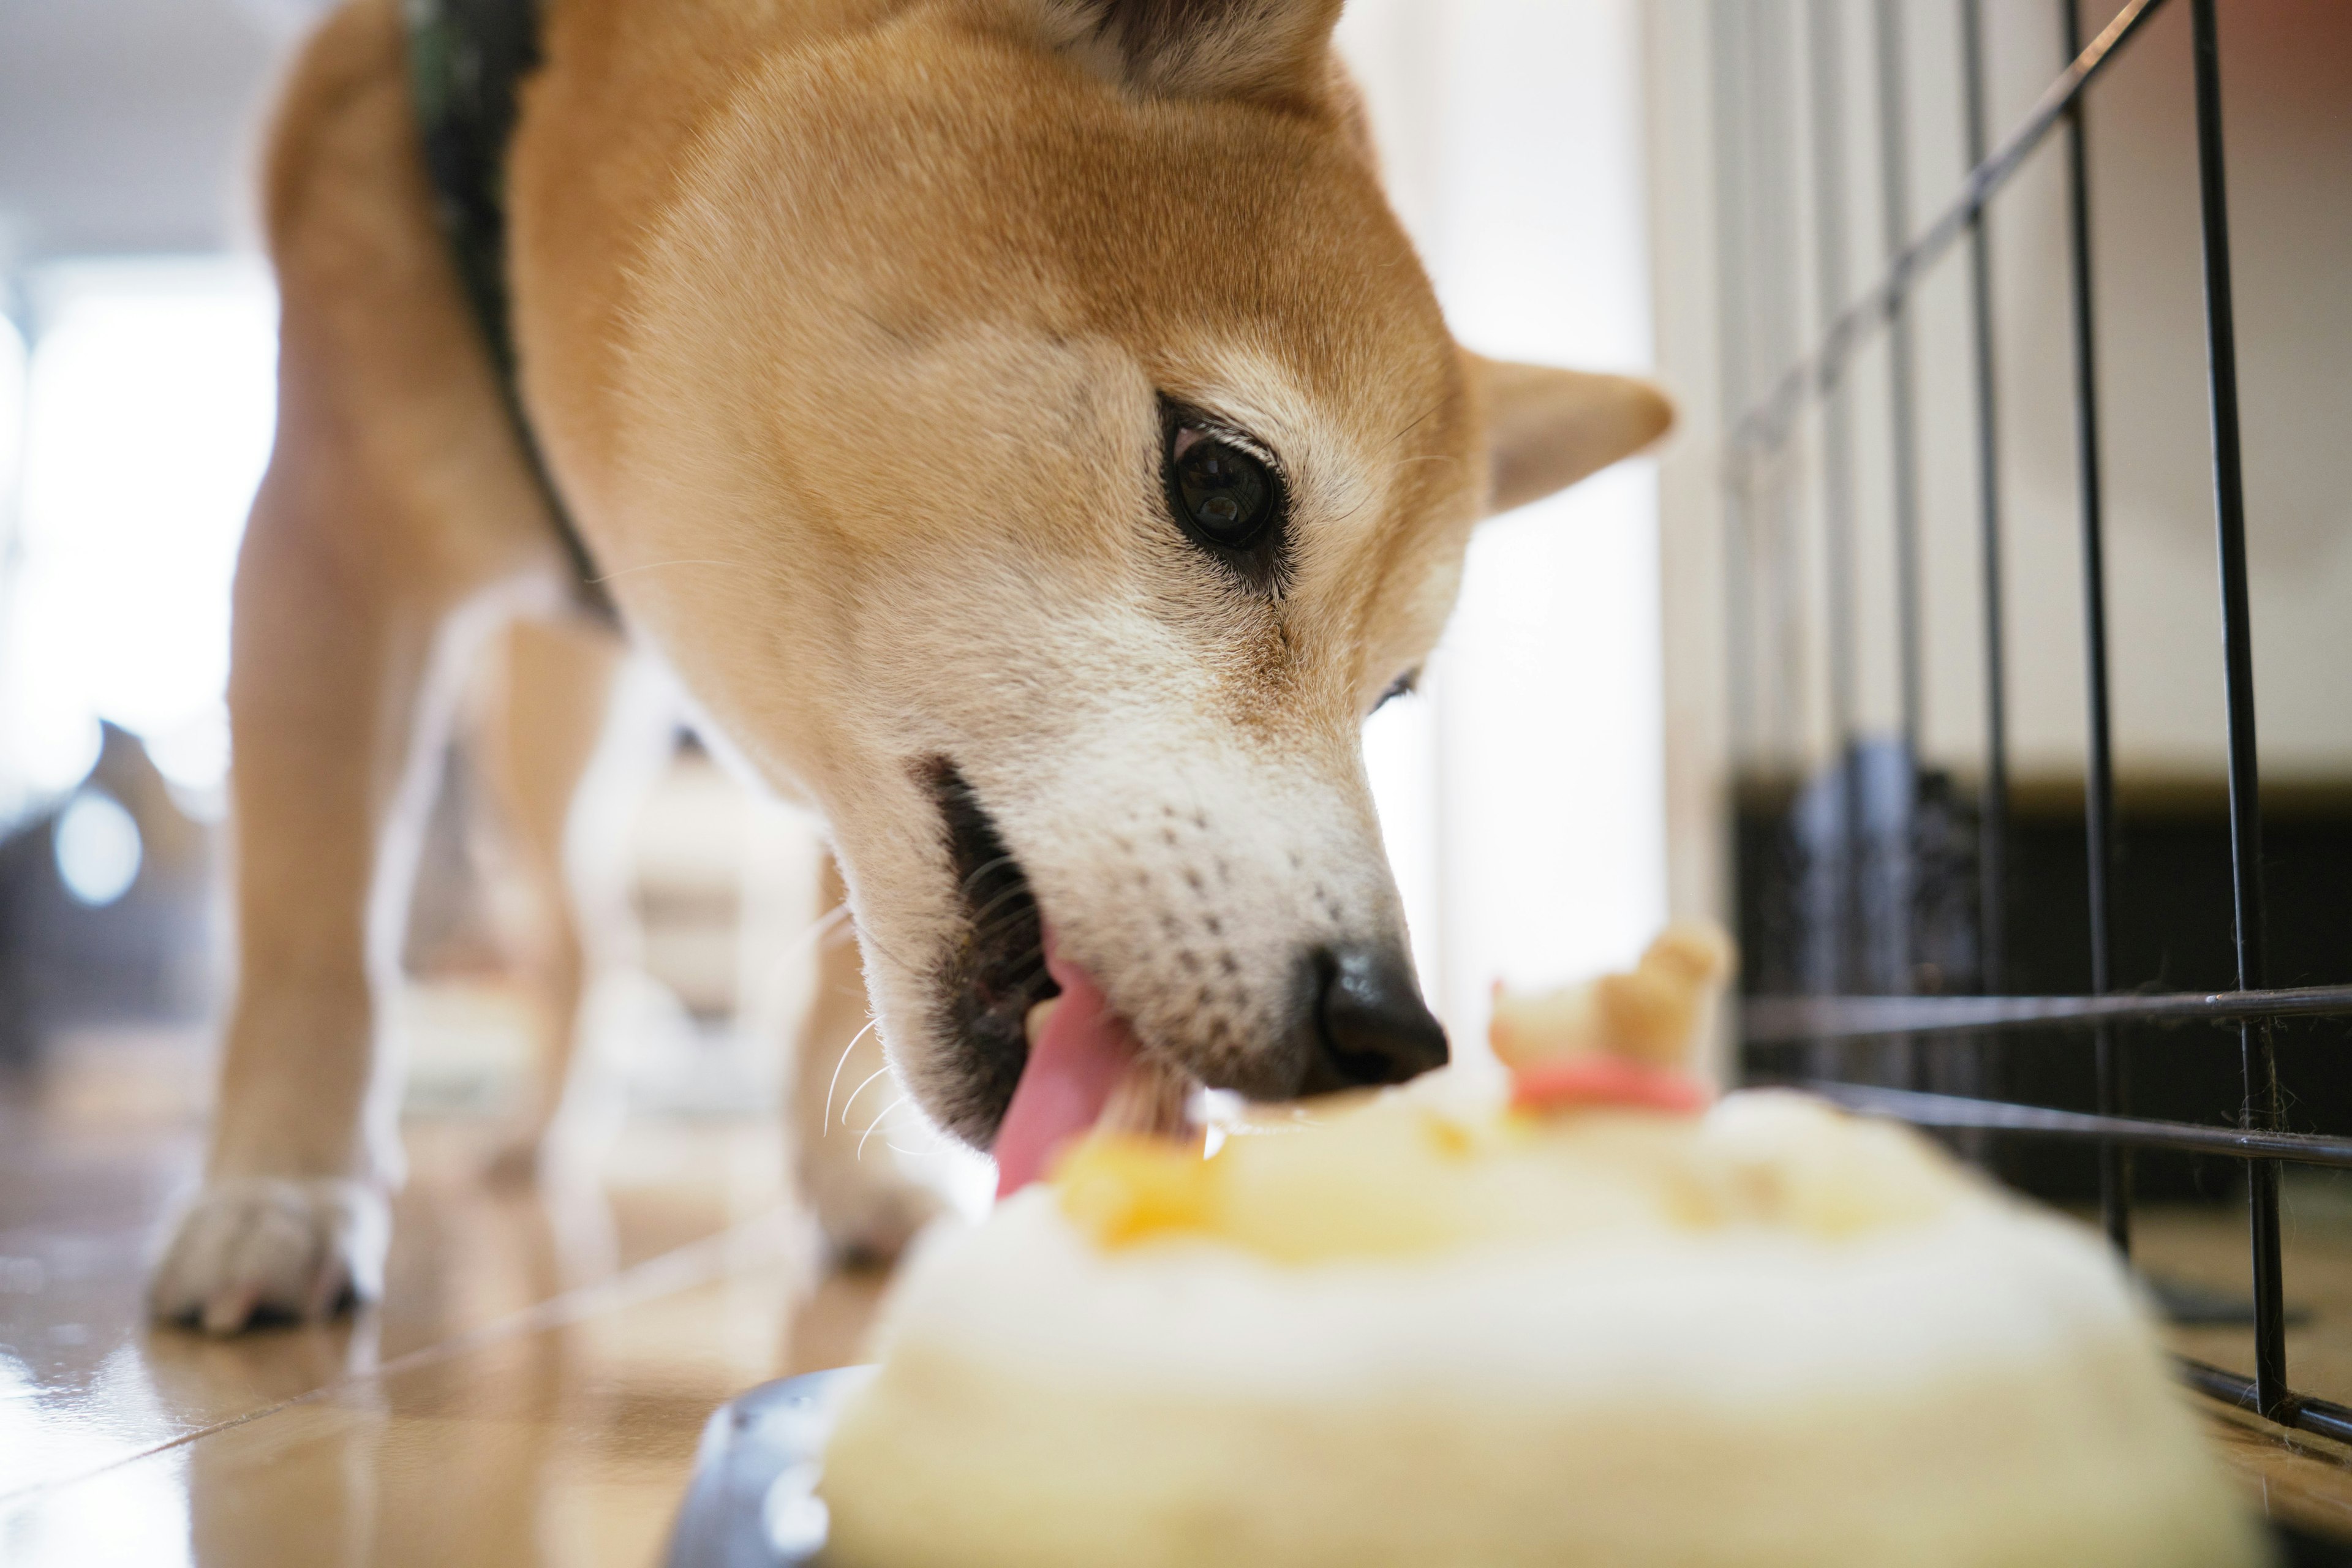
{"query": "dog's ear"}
(1548, 428)
(1270, 49)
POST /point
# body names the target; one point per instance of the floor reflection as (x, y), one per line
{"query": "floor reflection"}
(530, 1393)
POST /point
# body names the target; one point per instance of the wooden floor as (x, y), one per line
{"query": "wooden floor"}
(530, 1393)
(534, 1388)
(2303, 1479)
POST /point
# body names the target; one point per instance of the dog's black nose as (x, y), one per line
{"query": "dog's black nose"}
(1370, 1025)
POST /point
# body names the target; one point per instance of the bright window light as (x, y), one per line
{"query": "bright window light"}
(1523, 795)
(149, 405)
(98, 848)
(1400, 758)
(13, 355)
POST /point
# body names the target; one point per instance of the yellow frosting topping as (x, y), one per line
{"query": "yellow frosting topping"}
(1407, 1174)
(1120, 1188)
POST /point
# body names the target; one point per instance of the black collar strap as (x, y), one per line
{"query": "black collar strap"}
(465, 60)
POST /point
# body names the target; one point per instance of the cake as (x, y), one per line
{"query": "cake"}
(1578, 1313)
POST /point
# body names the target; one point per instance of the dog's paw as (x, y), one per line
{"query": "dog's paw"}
(257, 1247)
(868, 1218)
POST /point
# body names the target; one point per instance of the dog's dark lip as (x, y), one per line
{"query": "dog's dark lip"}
(996, 970)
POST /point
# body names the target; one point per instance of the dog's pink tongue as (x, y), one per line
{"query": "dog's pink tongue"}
(1074, 1062)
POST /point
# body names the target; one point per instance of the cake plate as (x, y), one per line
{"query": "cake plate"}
(753, 1503)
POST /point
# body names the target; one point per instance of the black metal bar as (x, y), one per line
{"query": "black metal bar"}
(2099, 772)
(2324, 1417)
(1766, 423)
(1791, 1020)
(2262, 1110)
(2263, 1150)
(1992, 809)
(1894, 199)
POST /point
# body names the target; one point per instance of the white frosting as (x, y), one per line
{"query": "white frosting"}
(1975, 1387)
(1734, 1318)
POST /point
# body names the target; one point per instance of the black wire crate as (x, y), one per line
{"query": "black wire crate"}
(2112, 987)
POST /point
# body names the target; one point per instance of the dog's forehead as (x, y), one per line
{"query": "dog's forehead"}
(1201, 236)
(1008, 261)
(1262, 251)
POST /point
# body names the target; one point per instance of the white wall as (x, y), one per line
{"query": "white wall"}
(1522, 791)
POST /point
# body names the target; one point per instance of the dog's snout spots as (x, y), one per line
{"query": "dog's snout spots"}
(1214, 916)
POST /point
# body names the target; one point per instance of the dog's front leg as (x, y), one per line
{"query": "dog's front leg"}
(345, 633)
(399, 514)
(547, 761)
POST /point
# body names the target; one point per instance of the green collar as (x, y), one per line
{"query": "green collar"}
(466, 61)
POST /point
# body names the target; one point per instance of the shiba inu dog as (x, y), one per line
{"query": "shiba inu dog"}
(1026, 431)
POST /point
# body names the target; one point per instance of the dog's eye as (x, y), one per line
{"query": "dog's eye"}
(1222, 492)
(1404, 685)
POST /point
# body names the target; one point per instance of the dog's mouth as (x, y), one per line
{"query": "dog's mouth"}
(1041, 1075)
(997, 971)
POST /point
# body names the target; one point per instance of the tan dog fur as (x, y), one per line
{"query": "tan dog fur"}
(843, 327)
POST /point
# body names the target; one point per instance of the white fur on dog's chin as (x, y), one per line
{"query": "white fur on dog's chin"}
(1187, 873)
(247, 1245)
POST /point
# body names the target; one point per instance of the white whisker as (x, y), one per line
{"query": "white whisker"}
(879, 1121)
(853, 1093)
(930, 1129)
(844, 1062)
(811, 936)
(817, 931)
(867, 938)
